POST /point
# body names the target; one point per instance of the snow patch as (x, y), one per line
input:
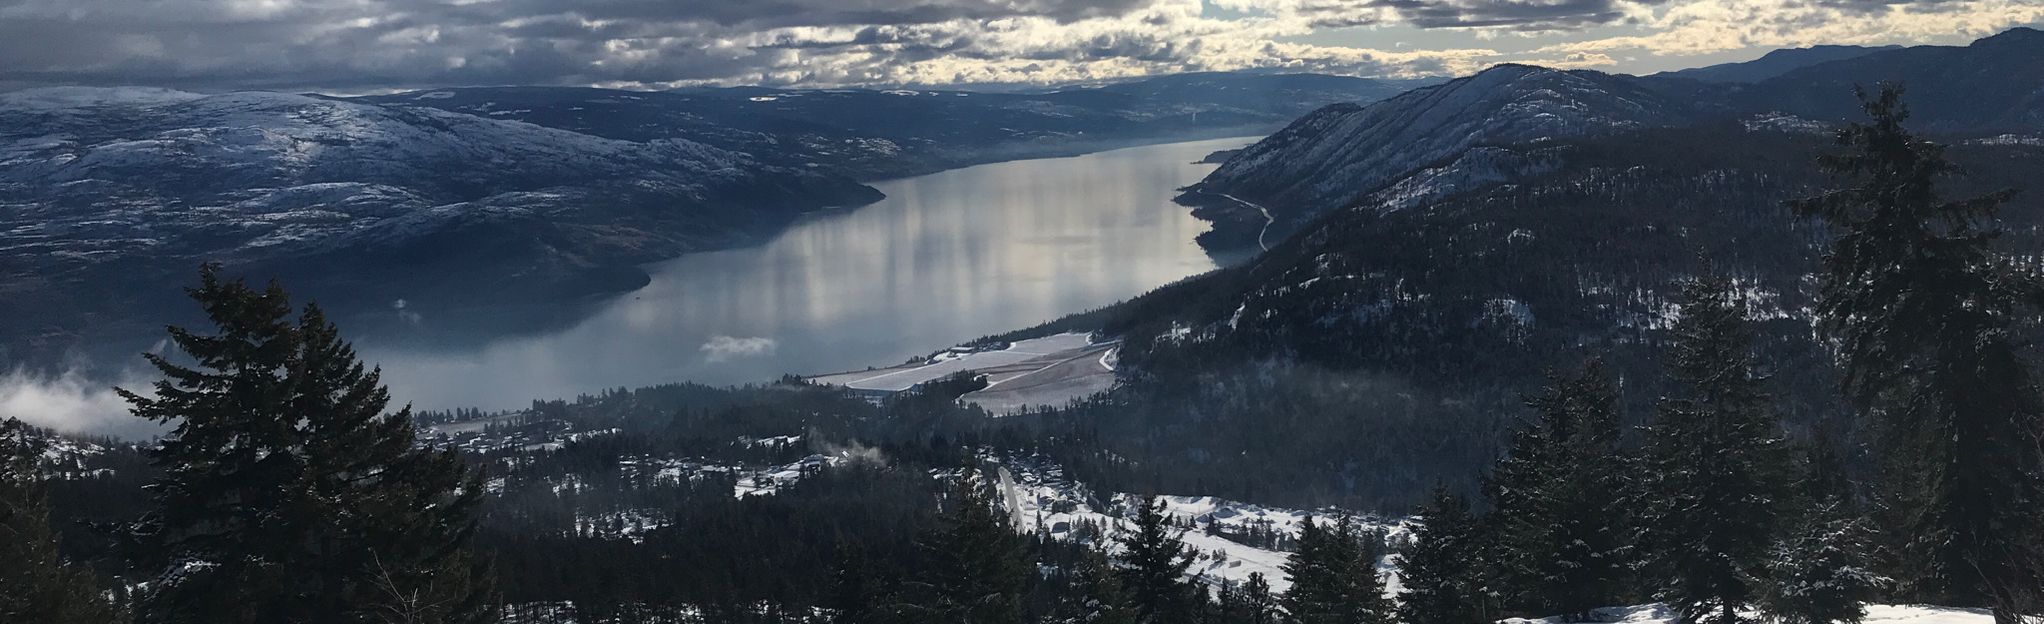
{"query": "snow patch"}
(1230, 540)
(1876, 614)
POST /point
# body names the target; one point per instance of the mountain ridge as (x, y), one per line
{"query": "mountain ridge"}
(1774, 63)
(1332, 156)
(360, 203)
(875, 134)
(1331, 159)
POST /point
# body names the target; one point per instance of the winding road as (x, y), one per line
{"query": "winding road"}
(1267, 219)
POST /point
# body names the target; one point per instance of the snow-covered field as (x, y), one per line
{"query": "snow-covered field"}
(1876, 614)
(1041, 499)
(1019, 359)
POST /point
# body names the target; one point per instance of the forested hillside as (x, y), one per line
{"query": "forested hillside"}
(1335, 157)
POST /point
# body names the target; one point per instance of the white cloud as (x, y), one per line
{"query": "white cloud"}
(71, 402)
(726, 348)
(364, 45)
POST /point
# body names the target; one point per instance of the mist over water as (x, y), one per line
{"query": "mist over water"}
(945, 258)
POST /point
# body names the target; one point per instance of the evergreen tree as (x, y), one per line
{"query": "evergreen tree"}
(977, 572)
(1315, 570)
(1715, 465)
(1439, 569)
(1153, 564)
(1201, 607)
(1096, 595)
(1820, 574)
(1823, 476)
(1921, 309)
(1555, 501)
(1334, 576)
(1366, 599)
(855, 594)
(287, 493)
(1248, 603)
(36, 584)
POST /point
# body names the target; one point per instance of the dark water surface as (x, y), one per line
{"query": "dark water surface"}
(945, 258)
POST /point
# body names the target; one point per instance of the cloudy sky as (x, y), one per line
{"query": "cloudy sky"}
(373, 45)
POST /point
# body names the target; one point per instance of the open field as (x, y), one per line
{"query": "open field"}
(1041, 371)
(1069, 375)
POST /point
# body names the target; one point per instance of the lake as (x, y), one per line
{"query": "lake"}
(946, 258)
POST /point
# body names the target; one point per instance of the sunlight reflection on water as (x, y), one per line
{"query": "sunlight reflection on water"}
(945, 258)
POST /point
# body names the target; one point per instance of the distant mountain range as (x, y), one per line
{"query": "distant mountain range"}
(498, 197)
(1437, 138)
(872, 134)
(1774, 63)
(1328, 158)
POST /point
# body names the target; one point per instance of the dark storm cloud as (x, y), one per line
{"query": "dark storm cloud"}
(367, 45)
(1522, 15)
(357, 44)
(897, 39)
(1871, 6)
(1508, 14)
(780, 13)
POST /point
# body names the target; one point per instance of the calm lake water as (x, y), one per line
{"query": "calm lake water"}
(946, 258)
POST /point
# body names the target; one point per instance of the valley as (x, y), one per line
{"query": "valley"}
(1755, 342)
(945, 259)
(522, 209)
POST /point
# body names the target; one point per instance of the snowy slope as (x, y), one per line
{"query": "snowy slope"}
(261, 165)
(1040, 499)
(1327, 159)
(872, 134)
(109, 197)
(1331, 158)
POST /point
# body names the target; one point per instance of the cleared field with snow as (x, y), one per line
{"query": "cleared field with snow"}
(1049, 369)
(1050, 380)
(1040, 498)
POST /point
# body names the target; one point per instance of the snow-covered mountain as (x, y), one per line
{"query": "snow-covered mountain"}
(878, 134)
(1332, 156)
(1336, 156)
(261, 147)
(119, 193)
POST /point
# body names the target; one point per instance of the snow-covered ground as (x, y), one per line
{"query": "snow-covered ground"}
(949, 362)
(1876, 614)
(65, 458)
(633, 523)
(1041, 499)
